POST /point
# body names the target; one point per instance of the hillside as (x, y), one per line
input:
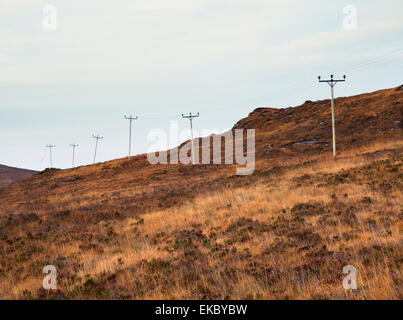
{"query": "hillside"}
(10, 174)
(281, 135)
(360, 120)
(127, 229)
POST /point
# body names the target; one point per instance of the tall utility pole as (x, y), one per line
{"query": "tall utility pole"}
(50, 146)
(130, 118)
(332, 82)
(190, 117)
(74, 145)
(97, 137)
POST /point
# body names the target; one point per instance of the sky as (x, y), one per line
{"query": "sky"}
(77, 68)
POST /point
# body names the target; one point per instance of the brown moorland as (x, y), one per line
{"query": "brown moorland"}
(125, 229)
(11, 174)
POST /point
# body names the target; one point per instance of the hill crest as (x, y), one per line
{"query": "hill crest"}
(11, 174)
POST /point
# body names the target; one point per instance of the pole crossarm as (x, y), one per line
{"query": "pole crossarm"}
(190, 116)
(131, 118)
(332, 81)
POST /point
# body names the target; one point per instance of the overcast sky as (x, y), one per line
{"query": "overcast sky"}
(158, 59)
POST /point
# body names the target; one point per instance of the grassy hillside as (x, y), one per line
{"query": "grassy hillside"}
(286, 232)
(128, 230)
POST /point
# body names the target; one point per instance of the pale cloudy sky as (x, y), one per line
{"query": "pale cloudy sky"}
(158, 59)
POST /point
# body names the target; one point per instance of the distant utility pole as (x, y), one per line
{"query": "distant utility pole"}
(50, 146)
(190, 117)
(332, 82)
(97, 137)
(130, 118)
(74, 148)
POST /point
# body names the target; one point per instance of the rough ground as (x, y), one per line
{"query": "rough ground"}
(129, 230)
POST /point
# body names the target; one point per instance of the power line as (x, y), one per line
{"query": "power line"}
(390, 57)
(332, 82)
(74, 147)
(97, 137)
(50, 146)
(190, 117)
(378, 60)
(130, 118)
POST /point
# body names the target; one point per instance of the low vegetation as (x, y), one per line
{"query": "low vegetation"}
(283, 233)
(125, 229)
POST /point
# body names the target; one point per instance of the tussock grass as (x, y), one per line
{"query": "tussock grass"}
(285, 234)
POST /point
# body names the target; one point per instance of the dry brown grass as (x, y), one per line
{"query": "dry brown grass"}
(125, 229)
(283, 233)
